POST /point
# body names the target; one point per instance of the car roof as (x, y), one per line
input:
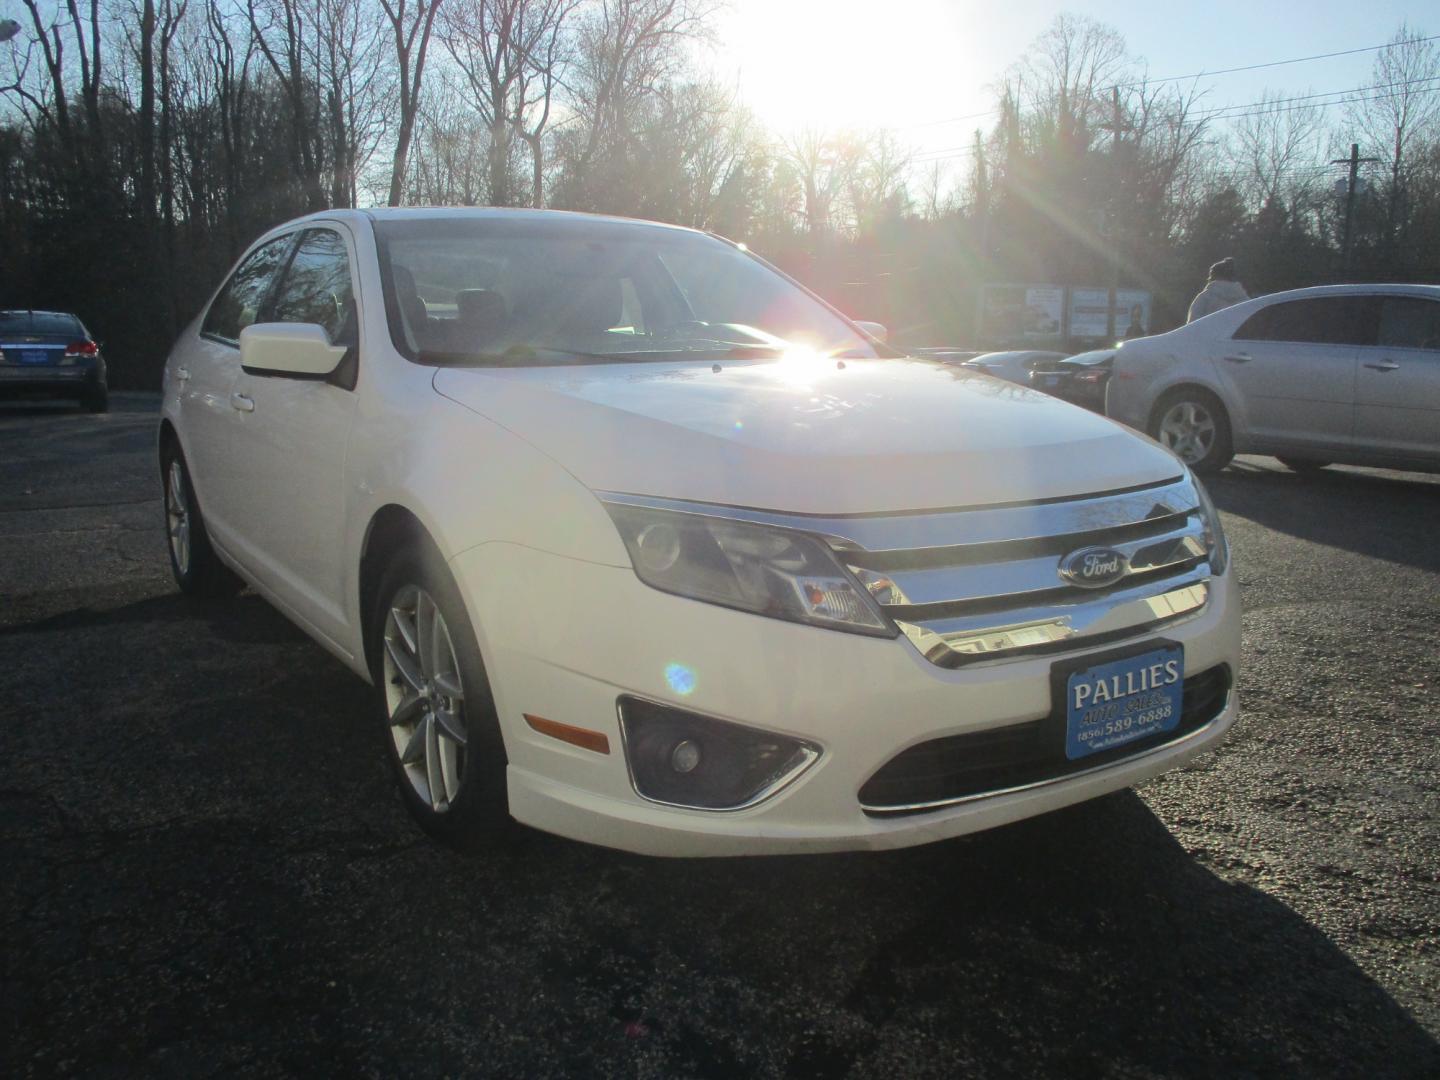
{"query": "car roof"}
(1431, 292)
(473, 213)
(1016, 352)
(37, 311)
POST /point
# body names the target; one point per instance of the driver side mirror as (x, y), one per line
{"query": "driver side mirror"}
(874, 329)
(292, 350)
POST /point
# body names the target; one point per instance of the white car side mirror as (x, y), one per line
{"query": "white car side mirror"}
(874, 329)
(296, 350)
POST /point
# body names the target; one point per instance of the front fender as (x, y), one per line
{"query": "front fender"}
(470, 481)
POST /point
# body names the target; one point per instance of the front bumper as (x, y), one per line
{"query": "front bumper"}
(563, 639)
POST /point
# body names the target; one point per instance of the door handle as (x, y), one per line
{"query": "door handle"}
(1240, 358)
(1383, 365)
(243, 403)
(182, 373)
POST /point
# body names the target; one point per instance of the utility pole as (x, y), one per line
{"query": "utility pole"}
(1117, 127)
(1354, 161)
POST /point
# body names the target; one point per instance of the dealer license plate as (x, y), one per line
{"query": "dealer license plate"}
(1123, 701)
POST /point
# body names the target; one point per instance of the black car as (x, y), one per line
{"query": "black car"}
(51, 354)
(1080, 379)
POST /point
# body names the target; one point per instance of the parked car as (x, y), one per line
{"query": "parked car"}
(51, 354)
(1078, 379)
(1013, 366)
(1341, 373)
(643, 544)
(945, 354)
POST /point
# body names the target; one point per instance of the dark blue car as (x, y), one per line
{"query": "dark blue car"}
(51, 354)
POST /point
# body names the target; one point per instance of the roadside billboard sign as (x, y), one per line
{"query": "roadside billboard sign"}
(1011, 314)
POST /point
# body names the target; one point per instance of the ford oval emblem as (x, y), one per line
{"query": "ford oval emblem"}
(1094, 567)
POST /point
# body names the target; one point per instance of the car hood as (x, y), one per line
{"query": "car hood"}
(814, 436)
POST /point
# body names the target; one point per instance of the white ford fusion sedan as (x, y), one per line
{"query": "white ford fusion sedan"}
(643, 544)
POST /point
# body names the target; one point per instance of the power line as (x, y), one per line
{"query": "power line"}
(1342, 97)
(1279, 63)
(1264, 106)
(1194, 75)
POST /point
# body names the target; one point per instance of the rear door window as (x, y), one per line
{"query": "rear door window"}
(317, 287)
(1408, 322)
(1323, 320)
(239, 302)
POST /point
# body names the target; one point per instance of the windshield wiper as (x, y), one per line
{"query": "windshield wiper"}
(526, 355)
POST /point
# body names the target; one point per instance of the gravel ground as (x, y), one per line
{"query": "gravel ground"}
(207, 868)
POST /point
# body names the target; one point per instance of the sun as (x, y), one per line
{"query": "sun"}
(833, 65)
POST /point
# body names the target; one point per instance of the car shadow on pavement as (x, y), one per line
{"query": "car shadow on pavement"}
(1368, 512)
(219, 875)
(1080, 943)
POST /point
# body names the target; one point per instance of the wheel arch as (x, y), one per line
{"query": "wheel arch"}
(1184, 386)
(391, 528)
(165, 439)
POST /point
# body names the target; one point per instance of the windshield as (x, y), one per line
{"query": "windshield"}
(492, 291)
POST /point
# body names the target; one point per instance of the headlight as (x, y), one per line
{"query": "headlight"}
(1215, 543)
(759, 568)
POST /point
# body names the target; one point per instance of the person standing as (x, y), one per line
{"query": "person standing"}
(1137, 323)
(1221, 290)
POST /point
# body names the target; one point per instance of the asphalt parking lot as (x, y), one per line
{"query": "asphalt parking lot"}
(207, 868)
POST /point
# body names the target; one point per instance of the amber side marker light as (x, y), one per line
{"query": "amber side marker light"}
(584, 738)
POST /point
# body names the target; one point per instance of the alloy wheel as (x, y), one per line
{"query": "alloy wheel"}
(1188, 430)
(424, 697)
(177, 517)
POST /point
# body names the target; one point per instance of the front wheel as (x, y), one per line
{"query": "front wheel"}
(439, 717)
(193, 562)
(1193, 426)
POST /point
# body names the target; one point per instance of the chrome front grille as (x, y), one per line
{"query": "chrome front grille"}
(985, 583)
(981, 584)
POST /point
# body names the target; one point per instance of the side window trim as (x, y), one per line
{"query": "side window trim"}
(272, 294)
(1366, 311)
(347, 374)
(270, 286)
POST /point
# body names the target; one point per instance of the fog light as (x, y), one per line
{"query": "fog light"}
(685, 757)
(681, 758)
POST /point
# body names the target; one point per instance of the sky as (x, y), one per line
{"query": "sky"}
(915, 65)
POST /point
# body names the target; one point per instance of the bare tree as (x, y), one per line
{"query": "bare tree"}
(411, 22)
(545, 36)
(347, 57)
(1067, 78)
(626, 51)
(1271, 142)
(819, 165)
(1400, 111)
(283, 30)
(52, 103)
(509, 52)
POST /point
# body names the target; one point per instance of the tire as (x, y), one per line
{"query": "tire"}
(193, 562)
(1192, 424)
(1302, 465)
(445, 748)
(96, 400)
